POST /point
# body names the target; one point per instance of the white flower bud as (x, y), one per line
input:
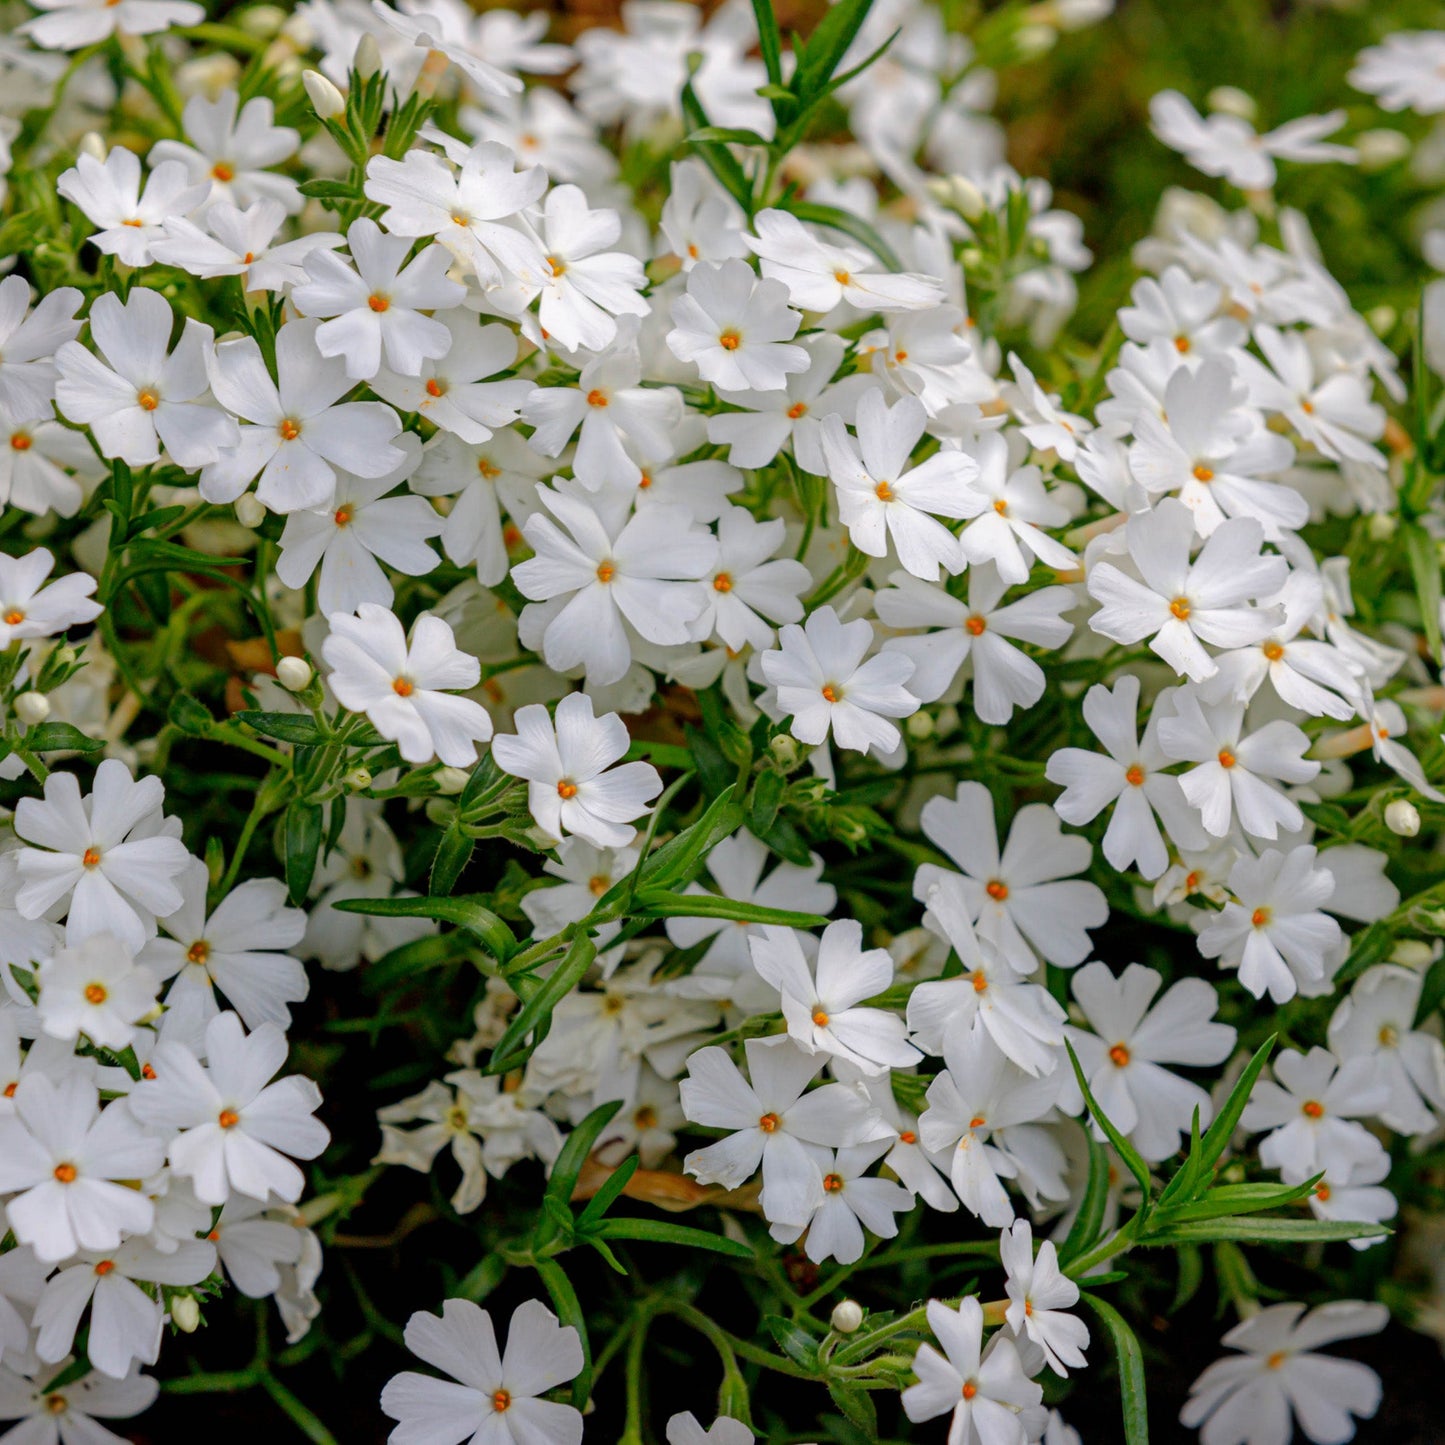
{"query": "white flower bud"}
(250, 510)
(367, 60)
(262, 20)
(294, 673)
(1231, 100)
(358, 780)
(92, 145)
(847, 1316)
(64, 655)
(326, 100)
(451, 780)
(1382, 319)
(1401, 816)
(32, 708)
(1031, 41)
(920, 726)
(1078, 14)
(1412, 953)
(1381, 148)
(1383, 526)
(186, 1313)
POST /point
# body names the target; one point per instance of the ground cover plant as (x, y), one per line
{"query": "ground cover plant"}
(721, 724)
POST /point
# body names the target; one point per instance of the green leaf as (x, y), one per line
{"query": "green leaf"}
(454, 852)
(324, 190)
(302, 838)
(1125, 1150)
(569, 1311)
(766, 800)
(849, 225)
(1424, 554)
(857, 1407)
(486, 784)
(1267, 1231)
(466, 912)
(1130, 1360)
(662, 1231)
(611, 1190)
(534, 1018)
(1090, 1218)
(826, 46)
(58, 737)
(189, 715)
(659, 903)
(1234, 1199)
(286, 727)
(770, 43)
(716, 157)
(726, 135)
(796, 1344)
(680, 859)
(580, 1142)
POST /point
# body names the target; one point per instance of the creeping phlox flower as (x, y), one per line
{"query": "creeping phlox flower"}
(510, 515)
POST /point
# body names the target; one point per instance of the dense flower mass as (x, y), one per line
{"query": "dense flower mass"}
(626, 681)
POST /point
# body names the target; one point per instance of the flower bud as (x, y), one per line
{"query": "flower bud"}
(451, 781)
(920, 726)
(326, 100)
(294, 673)
(1231, 100)
(1383, 526)
(1079, 14)
(847, 1316)
(63, 656)
(250, 510)
(358, 779)
(32, 708)
(1032, 41)
(1378, 149)
(91, 145)
(1401, 816)
(367, 60)
(1412, 953)
(262, 20)
(784, 751)
(186, 1313)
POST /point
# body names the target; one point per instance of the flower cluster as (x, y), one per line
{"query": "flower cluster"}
(753, 719)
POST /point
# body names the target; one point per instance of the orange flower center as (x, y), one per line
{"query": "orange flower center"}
(96, 993)
(969, 1389)
(378, 303)
(1226, 758)
(566, 789)
(1312, 1109)
(1120, 1055)
(21, 441)
(1203, 474)
(56, 1404)
(979, 979)
(1181, 345)
(596, 398)
(487, 469)
(976, 625)
(1322, 1192)
(833, 1183)
(403, 687)
(830, 692)
(501, 1401)
(11, 1087)
(343, 516)
(147, 400)
(228, 1118)
(729, 341)
(820, 1018)
(908, 1137)
(223, 172)
(1001, 507)
(91, 857)
(1259, 917)
(977, 1122)
(769, 1123)
(103, 1267)
(598, 884)
(1135, 776)
(996, 889)
(1273, 650)
(289, 430)
(435, 387)
(198, 952)
(1275, 1360)
(722, 583)
(797, 409)
(883, 492)
(843, 278)
(1308, 407)
(1180, 608)
(606, 571)
(65, 1173)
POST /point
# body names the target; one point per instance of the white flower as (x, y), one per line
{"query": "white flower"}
(110, 193)
(232, 149)
(979, 1093)
(107, 853)
(587, 872)
(1248, 1399)
(585, 286)
(1272, 930)
(53, 1414)
(60, 1155)
(735, 327)
(75, 24)
(1312, 1119)
(46, 467)
(231, 1128)
(237, 948)
(1024, 894)
(819, 276)
(774, 1124)
(404, 686)
(751, 587)
(686, 1429)
(29, 340)
(149, 396)
(699, 220)
(295, 435)
(1234, 772)
(254, 1243)
(572, 786)
(1023, 1019)
(824, 684)
(357, 530)
(821, 1004)
(1377, 1021)
(1404, 72)
(376, 302)
(498, 1395)
(1130, 775)
(453, 392)
(1004, 676)
(990, 1399)
(94, 989)
(1225, 145)
(1011, 508)
(463, 209)
(30, 608)
(606, 571)
(880, 497)
(1133, 1035)
(1184, 311)
(234, 242)
(850, 1201)
(1179, 604)
(1039, 1293)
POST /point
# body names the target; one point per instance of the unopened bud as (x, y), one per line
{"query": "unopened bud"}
(1077, 14)
(847, 1316)
(186, 1313)
(250, 510)
(326, 100)
(92, 145)
(367, 60)
(1383, 526)
(451, 780)
(1382, 319)
(1031, 41)
(784, 751)
(358, 779)
(1231, 100)
(920, 726)
(63, 656)
(32, 708)
(1412, 953)
(1378, 149)
(1401, 816)
(294, 673)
